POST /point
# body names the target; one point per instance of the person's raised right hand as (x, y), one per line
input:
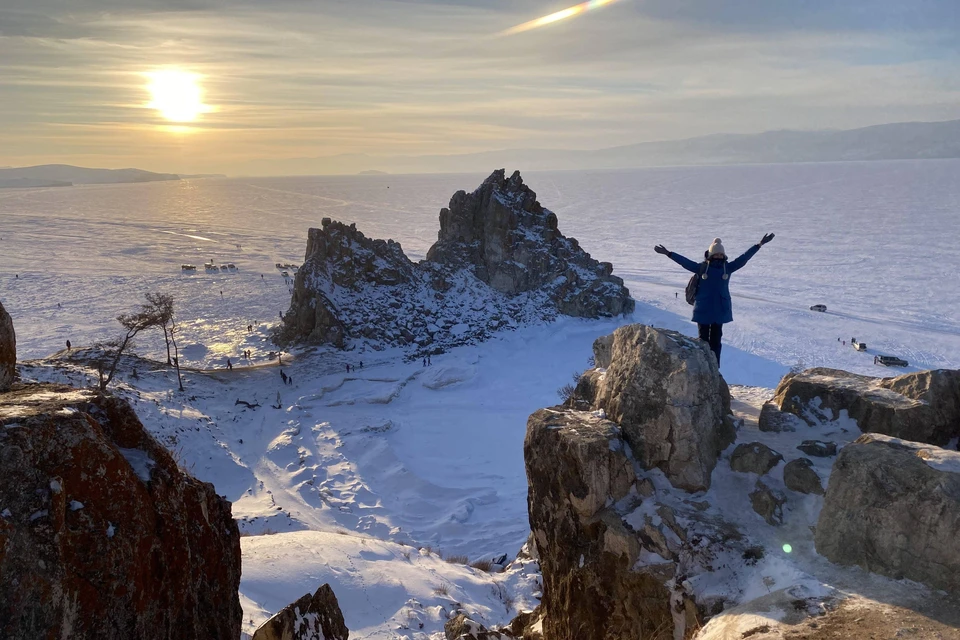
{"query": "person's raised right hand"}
(661, 249)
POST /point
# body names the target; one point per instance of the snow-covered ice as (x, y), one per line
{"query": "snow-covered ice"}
(356, 471)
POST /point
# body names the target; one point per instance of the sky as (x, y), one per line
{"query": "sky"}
(313, 78)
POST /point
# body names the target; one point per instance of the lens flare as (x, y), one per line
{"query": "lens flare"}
(570, 12)
(787, 548)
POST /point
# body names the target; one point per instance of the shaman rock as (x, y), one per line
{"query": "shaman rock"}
(101, 534)
(499, 261)
(893, 507)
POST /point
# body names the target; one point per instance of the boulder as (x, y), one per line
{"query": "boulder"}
(754, 457)
(799, 476)
(8, 350)
(768, 503)
(102, 535)
(461, 627)
(921, 407)
(818, 448)
(773, 420)
(312, 617)
(602, 578)
(497, 247)
(893, 508)
(664, 391)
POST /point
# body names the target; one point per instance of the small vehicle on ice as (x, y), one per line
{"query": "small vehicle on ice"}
(859, 346)
(819, 307)
(188, 268)
(891, 361)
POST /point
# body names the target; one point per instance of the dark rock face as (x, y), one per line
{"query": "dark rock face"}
(312, 617)
(893, 507)
(101, 534)
(615, 549)
(754, 457)
(799, 476)
(8, 350)
(666, 393)
(921, 407)
(499, 259)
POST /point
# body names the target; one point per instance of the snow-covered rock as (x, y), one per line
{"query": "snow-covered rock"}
(754, 457)
(665, 391)
(312, 617)
(921, 407)
(893, 507)
(499, 257)
(622, 546)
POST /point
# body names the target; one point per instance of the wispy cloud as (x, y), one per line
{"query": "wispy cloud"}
(291, 79)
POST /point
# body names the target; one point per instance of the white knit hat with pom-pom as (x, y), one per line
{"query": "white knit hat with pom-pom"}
(716, 248)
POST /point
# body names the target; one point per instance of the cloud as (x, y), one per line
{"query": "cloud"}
(296, 78)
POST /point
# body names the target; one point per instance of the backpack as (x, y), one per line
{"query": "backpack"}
(694, 283)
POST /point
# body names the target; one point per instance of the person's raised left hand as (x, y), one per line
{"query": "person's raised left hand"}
(767, 238)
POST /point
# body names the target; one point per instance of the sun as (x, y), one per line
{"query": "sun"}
(176, 95)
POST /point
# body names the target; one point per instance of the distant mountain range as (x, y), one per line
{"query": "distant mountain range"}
(900, 141)
(65, 175)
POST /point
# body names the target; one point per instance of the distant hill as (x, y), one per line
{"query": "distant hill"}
(900, 141)
(65, 174)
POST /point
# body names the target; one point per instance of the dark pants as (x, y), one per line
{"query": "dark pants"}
(712, 333)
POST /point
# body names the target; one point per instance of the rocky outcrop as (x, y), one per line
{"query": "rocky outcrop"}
(312, 617)
(8, 350)
(665, 392)
(461, 627)
(800, 476)
(772, 419)
(922, 406)
(617, 547)
(499, 260)
(101, 534)
(893, 507)
(754, 457)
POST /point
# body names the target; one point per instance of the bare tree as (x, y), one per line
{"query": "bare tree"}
(162, 305)
(149, 315)
(176, 353)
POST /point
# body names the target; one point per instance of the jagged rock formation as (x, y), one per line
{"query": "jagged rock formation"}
(101, 534)
(8, 350)
(615, 539)
(499, 260)
(768, 502)
(922, 406)
(312, 617)
(665, 392)
(893, 507)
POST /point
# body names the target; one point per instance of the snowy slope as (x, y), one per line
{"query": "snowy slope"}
(352, 467)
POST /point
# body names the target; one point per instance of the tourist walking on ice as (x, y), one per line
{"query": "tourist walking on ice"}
(712, 307)
(68, 345)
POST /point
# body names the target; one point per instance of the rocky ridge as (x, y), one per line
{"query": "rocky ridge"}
(8, 350)
(499, 261)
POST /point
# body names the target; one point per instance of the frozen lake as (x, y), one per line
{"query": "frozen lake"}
(872, 241)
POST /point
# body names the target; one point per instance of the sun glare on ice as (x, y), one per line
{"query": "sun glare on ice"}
(176, 94)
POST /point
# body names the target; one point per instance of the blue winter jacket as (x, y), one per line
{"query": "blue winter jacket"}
(713, 305)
